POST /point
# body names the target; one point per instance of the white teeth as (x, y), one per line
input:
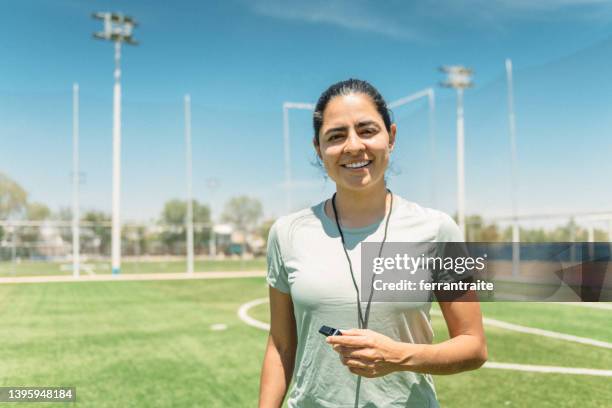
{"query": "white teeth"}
(357, 165)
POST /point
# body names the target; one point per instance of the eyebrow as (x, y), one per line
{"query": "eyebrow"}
(367, 123)
(339, 128)
(359, 125)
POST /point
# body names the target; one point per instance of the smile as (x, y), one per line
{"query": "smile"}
(357, 165)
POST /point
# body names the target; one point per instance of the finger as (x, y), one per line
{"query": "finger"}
(345, 351)
(342, 350)
(353, 332)
(365, 354)
(362, 372)
(348, 341)
(357, 363)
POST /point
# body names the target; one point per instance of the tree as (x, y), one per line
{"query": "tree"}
(242, 213)
(13, 198)
(479, 231)
(264, 229)
(174, 214)
(99, 234)
(474, 224)
(63, 214)
(30, 235)
(37, 212)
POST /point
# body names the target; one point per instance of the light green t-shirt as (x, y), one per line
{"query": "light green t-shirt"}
(306, 260)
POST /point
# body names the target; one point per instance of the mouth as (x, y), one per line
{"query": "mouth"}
(357, 165)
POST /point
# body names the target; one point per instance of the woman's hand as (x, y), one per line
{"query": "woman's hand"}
(370, 354)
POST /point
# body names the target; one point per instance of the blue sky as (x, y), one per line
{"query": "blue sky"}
(240, 60)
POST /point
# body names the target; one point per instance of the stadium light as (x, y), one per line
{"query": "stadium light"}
(76, 250)
(117, 28)
(516, 238)
(429, 93)
(189, 218)
(287, 150)
(459, 78)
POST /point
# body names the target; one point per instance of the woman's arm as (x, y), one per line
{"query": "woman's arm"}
(372, 354)
(279, 358)
(465, 350)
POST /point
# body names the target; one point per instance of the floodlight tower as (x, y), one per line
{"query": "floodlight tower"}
(516, 238)
(459, 78)
(76, 235)
(117, 28)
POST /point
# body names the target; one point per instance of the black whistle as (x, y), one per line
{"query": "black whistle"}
(329, 331)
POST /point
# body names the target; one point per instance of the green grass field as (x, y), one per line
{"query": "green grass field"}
(150, 344)
(33, 268)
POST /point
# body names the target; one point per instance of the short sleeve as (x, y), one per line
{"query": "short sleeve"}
(449, 230)
(451, 245)
(277, 273)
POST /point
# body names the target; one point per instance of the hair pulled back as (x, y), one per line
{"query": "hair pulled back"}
(347, 87)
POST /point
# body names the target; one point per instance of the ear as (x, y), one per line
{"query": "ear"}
(317, 147)
(392, 133)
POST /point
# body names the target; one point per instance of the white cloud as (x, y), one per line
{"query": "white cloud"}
(416, 21)
(542, 4)
(355, 15)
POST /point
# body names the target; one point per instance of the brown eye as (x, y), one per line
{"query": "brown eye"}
(369, 131)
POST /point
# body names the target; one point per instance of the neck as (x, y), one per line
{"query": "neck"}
(360, 208)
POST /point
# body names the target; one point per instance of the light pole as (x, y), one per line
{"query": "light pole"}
(430, 95)
(117, 28)
(189, 217)
(459, 78)
(287, 150)
(516, 239)
(76, 252)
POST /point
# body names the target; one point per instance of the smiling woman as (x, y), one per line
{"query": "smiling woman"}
(314, 261)
(354, 136)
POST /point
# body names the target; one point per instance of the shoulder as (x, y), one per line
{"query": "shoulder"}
(447, 228)
(286, 225)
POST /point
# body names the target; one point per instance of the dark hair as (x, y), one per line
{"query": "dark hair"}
(347, 87)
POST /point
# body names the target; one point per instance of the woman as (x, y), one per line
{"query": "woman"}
(313, 269)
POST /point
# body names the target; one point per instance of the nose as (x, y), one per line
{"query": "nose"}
(354, 143)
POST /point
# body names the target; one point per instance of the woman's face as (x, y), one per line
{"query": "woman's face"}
(353, 142)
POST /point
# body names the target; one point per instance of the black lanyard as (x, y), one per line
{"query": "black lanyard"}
(363, 321)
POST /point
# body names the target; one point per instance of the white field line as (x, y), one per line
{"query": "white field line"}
(244, 316)
(135, 277)
(549, 369)
(540, 332)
